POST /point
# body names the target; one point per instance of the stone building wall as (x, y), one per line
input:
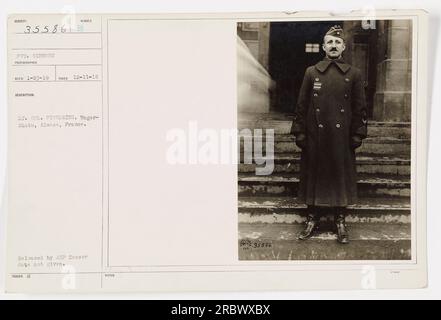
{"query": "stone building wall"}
(392, 101)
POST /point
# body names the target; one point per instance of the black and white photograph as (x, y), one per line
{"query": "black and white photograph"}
(207, 152)
(324, 118)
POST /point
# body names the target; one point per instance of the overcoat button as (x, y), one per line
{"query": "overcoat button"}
(318, 110)
(320, 125)
(315, 94)
(317, 79)
(347, 80)
(342, 110)
(346, 95)
(338, 125)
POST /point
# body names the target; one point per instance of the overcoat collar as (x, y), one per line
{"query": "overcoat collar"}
(326, 62)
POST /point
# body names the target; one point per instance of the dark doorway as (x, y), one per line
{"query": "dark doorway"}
(293, 47)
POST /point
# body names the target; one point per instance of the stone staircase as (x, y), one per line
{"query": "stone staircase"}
(270, 217)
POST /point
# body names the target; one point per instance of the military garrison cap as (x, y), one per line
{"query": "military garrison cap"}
(336, 31)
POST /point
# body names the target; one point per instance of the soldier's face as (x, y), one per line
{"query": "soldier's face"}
(333, 46)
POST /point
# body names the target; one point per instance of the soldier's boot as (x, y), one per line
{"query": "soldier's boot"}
(311, 225)
(340, 224)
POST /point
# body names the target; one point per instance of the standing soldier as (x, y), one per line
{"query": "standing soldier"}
(329, 124)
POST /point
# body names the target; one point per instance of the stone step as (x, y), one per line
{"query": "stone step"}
(290, 210)
(282, 125)
(263, 241)
(287, 185)
(273, 115)
(279, 126)
(290, 163)
(398, 130)
(371, 146)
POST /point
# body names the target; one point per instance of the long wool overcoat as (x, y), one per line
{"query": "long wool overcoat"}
(331, 112)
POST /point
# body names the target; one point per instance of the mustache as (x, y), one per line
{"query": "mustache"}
(333, 49)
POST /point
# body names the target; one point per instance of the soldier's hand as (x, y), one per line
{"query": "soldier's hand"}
(301, 140)
(356, 141)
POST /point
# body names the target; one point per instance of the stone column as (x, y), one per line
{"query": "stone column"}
(253, 79)
(264, 35)
(392, 100)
